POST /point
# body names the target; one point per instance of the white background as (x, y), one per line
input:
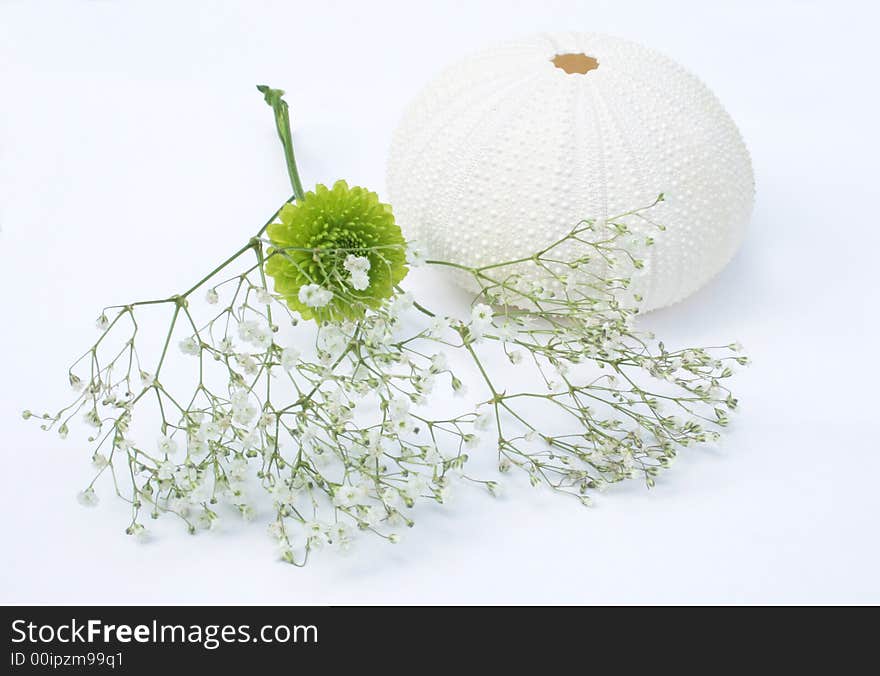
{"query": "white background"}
(134, 152)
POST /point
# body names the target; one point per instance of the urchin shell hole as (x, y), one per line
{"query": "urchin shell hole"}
(575, 63)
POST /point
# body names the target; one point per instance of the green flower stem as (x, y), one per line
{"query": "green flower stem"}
(282, 124)
(252, 243)
(168, 339)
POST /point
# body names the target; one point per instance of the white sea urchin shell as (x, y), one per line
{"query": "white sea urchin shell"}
(505, 151)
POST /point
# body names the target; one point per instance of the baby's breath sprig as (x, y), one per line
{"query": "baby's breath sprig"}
(613, 402)
(236, 404)
(329, 427)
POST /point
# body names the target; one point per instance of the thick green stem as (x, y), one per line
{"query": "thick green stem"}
(282, 124)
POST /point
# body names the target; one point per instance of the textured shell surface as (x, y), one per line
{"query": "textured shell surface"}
(504, 152)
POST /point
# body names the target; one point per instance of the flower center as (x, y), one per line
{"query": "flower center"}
(331, 248)
(351, 243)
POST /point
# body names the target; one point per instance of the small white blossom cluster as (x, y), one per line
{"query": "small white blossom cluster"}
(415, 254)
(358, 268)
(314, 295)
(334, 436)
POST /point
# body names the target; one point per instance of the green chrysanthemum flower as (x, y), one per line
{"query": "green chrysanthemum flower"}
(336, 252)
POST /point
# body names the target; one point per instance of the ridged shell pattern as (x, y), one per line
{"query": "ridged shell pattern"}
(504, 152)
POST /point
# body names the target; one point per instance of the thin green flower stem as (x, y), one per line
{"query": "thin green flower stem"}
(282, 125)
(232, 258)
(479, 364)
(262, 230)
(168, 339)
(252, 244)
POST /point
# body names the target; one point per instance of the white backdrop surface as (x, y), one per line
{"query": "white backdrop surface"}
(134, 151)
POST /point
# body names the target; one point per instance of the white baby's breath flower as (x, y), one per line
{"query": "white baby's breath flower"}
(166, 471)
(285, 551)
(439, 362)
(415, 254)
(92, 418)
(314, 529)
(314, 295)
(253, 440)
(87, 498)
(375, 448)
(506, 332)
(140, 533)
(481, 314)
(477, 330)
(356, 264)
(309, 436)
(459, 389)
(439, 326)
(238, 468)
(263, 296)
(124, 444)
(281, 494)
(208, 520)
(375, 515)
(483, 418)
(423, 382)
(342, 535)
(190, 346)
(209, 431)
(332, 339)
(415, 486)
(243, 411)
(225, 346)
(247, 363)
(167, 445)
(102, 323)
(76, 383)
(347, 496)
(359, 281)
(289, 357)
(196, 446)
(255, 333)
(398, 408)
(389, 496)
(377, 334)
(178, 506)
(202, 489)
(402, 302)
(212, 297)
